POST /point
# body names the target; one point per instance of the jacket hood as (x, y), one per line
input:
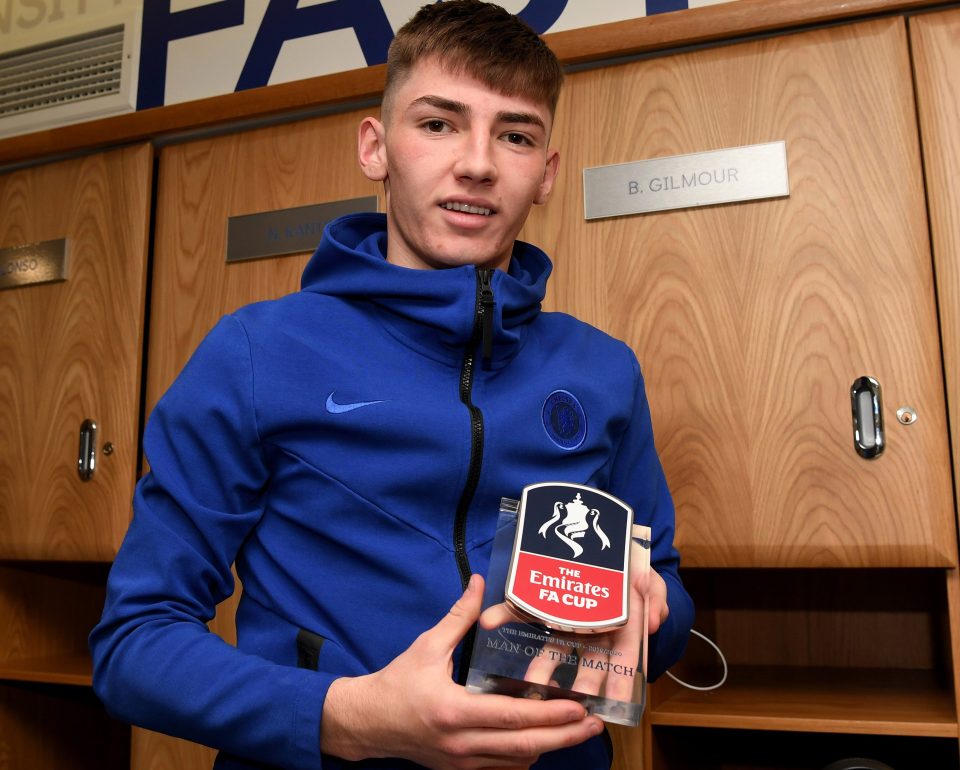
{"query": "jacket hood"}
(432, 310)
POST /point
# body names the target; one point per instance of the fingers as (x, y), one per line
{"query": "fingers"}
(497, 748)
(651, 585)
(542, 666)
(657, 614)
(593, 669)
(508, 713)
(496, 615)
(657, 606)
(623, 679)
(446, 634)
(412, 709)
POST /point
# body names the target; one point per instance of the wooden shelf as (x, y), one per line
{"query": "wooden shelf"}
(824, 700)
(74, 669)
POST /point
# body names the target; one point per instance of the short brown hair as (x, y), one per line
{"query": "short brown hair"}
(480, 39)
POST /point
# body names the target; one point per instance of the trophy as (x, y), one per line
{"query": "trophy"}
(564, 610)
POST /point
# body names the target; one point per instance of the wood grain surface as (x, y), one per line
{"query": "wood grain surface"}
(867, 701)
(155, 751)
(48, 609)
(71, 351)
(936, 52)
(935, 40)
(752, 320)
(835, 650)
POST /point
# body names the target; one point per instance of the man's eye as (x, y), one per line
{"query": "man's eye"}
(515, 138)
(435, 126)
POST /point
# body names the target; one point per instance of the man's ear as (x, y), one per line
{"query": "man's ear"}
(549, 177)
(372, 149)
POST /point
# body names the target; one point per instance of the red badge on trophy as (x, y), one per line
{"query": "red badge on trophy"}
(571, 555)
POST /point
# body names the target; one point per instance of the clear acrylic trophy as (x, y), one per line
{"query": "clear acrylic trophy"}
(565, 611)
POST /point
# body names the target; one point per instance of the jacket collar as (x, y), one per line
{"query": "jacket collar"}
(430, 310)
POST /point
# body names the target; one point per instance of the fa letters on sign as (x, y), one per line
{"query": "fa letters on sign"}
(283, 20)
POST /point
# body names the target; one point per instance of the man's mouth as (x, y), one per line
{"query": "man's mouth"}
(466, 208)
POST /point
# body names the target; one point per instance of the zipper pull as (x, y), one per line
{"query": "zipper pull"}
(487, 304)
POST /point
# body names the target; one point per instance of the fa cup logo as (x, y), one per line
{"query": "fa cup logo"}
(574, 524)
(570, 560)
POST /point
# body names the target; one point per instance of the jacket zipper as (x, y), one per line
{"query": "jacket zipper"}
(482, 337)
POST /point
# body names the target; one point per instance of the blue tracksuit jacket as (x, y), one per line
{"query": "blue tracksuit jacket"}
(348, 446)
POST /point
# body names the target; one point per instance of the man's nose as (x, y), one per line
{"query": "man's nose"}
(477, 162)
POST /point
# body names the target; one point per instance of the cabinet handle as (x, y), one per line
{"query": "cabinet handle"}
(87, 461)
(867, 417)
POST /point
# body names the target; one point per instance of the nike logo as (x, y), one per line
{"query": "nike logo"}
(334, 408)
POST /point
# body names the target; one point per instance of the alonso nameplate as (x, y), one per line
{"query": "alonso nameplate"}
(287, 231)
(44, 262)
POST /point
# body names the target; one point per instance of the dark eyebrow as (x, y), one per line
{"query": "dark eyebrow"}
(521, 117)
(441, 103)
(459, 108)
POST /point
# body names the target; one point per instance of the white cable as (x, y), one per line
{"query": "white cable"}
(723, 660)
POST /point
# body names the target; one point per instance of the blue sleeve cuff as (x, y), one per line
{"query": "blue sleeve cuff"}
(308, 717)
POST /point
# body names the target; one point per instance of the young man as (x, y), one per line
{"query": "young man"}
(348, 446)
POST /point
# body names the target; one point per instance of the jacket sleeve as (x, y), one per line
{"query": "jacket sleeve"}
(637, 477)
(155, 662)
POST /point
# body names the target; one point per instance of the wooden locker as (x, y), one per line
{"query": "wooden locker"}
(752, 320)
(935, 43)
(71, 351)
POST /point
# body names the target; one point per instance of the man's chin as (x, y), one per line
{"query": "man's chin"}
(479, 260)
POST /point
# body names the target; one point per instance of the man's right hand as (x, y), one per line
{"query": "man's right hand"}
(413, 709)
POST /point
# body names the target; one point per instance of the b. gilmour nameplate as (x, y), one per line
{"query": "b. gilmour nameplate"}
(44, 262)
(683, 181)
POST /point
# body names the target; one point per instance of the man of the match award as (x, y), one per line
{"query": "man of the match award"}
(565, 611)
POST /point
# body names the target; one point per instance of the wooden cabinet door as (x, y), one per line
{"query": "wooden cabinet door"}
(935, 40)
(202, 184)
(71, 351)
(935, 43)
(752, 320)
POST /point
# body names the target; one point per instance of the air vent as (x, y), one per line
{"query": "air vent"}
(82, 68)
(68, 80)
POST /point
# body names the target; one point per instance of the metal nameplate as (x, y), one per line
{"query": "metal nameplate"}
(34, 263)
(287, 231)
(682, 181)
